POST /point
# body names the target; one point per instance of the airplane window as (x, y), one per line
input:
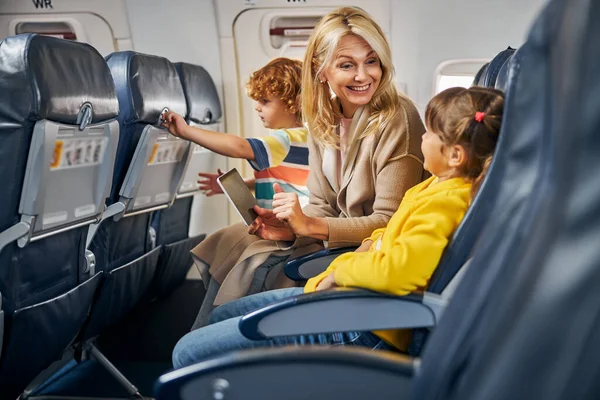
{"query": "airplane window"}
(448, 81)
(456, 73)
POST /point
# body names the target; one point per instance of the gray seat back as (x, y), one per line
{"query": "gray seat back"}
(523, 323)
(58, 137)
(204, 110)
(150, 162)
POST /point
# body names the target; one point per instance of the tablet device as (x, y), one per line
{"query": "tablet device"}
(239, 195)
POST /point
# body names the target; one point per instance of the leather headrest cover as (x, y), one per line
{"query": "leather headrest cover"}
(145, 86)
(44, 77)
(200, 94)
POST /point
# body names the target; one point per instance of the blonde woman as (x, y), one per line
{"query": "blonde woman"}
(364, 153)
(364, 137)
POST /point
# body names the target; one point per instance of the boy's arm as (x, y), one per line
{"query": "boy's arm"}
(221, 143)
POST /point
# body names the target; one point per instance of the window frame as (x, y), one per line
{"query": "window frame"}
(457, 67)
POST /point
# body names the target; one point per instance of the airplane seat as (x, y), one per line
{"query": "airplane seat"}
(478, 79)
(172, 224)
(148, 170)
(523, 322)
(502, 78)
(530, 328)
(58, 136)
(203, 109)
(489, 77)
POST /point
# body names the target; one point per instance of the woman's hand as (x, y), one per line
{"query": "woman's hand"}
(286, 207)
(327, 283)
(209, 185)
(364, 247)
(175, 124)
(267, 226)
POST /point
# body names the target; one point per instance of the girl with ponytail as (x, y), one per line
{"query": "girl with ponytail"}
(466, 123)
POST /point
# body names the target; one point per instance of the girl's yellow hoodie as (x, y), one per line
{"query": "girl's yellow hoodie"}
(407, 251)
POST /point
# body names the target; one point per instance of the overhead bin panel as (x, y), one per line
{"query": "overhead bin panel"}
(86, 28)
(285, 34)
(61, 30)
(103, 24)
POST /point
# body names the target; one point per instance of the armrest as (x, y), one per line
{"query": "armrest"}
(342, 310)
(305, 267)
(293, 373)
(1, 326)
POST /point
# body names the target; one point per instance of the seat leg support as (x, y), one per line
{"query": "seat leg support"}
(102, 360)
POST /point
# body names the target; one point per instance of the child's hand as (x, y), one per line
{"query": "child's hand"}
(175, 124)
(327, 283)
(209, 185)
(364, 247)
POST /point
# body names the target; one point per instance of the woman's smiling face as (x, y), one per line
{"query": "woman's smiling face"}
(353, 74)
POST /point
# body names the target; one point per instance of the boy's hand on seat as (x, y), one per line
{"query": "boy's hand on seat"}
(175, 124)
(327, 283)
(268, 227)
(209, 185)
(364, 247)
(286, 207)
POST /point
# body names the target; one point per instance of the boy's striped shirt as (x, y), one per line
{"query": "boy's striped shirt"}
(281, 157)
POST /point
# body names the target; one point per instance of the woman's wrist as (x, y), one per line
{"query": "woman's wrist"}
(315, 227)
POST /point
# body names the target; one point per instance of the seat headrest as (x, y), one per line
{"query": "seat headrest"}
(44, 77)
(478, 79)
(145, 86)
(491, 74)
(200, 94)
(502, 78)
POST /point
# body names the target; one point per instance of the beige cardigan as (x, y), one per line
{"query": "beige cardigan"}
(375, 174)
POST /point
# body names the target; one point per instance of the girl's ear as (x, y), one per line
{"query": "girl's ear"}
(457, 156)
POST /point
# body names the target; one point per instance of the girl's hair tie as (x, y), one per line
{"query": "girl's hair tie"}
(479, 116)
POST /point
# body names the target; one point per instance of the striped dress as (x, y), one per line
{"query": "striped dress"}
(281, 157)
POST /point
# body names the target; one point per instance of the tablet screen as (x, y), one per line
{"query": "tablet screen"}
(239, 195)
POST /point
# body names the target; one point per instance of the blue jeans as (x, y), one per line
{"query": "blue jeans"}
(222, 334)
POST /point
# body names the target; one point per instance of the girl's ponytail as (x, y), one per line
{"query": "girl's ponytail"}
(470, 118)
(479, 179)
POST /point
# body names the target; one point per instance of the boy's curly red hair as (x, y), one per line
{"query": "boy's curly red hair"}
(280, 78)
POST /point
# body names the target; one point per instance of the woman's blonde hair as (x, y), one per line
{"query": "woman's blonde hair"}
(471, 118)
(321, 113)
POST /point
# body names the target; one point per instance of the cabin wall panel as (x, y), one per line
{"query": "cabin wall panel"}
(428, 32)
(180, 30)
